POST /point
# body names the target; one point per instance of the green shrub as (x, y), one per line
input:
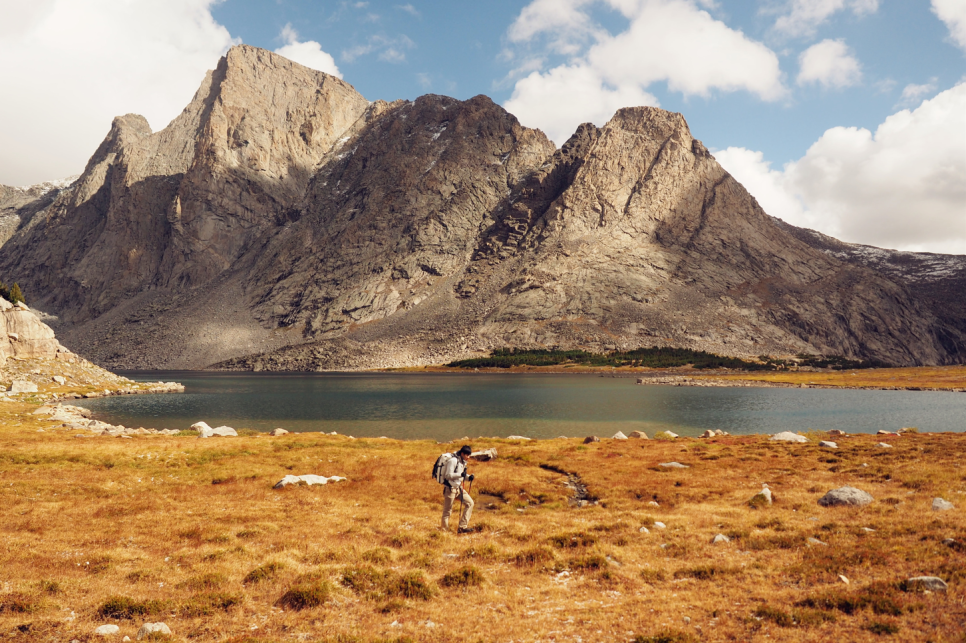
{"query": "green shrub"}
(129, 608)
(306, 595)
(16, 294)
(411, 585)
(468, 576)
(263, 573)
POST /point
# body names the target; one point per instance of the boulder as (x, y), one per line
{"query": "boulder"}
(591, 438)
(845, 497)
(205, 431)
(512, 437)
(925, 584)
(638, 435)
(277, 432)
(59, 379)
(23, 386)
(788, 436)
(883, 445)
(153, 628)
(811, 542)
(308, 479)
(884, 432)
(107, 630)
(720, 538)
(484, 456)
(939, 504)
(618, 436)
(660, 525)
(828, 445)
(665, 435)
(708, 434)
(837, 433)
(673, 465)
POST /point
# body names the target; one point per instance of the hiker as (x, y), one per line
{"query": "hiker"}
(453, 475)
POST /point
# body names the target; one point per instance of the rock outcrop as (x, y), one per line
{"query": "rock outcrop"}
(24, 336)
(282, 222)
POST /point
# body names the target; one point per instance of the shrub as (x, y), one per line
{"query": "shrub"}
(305, 596)
(881, 627)
(208, 604)
(468, 576)
(665, 637)
(533, 557)
(16, 294)
(50, 587)
(593, 561)
(363, 579)
(205, 582)
(129, 608)
(652, 575)
(576, 539)
(19, 603)
(377, 556)
(263, 573)
(704, 572)
(411, 585)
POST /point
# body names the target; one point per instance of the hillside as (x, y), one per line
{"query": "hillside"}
(283, 222)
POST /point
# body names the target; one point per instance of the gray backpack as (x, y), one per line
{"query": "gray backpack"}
(440, 467)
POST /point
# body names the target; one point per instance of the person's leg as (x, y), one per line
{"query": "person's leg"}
(448, 497)
(467, 510)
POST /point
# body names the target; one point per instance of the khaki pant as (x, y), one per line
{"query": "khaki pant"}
(450, 495)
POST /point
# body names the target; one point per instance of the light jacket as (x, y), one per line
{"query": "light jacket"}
(454, 470)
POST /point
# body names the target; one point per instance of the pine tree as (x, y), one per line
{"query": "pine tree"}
(16, 294)
(4, 291)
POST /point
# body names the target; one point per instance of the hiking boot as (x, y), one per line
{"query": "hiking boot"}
(466, 530)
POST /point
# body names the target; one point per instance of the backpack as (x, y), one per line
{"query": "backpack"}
(440, 467)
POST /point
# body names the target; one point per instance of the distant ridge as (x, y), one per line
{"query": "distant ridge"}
(283, 222)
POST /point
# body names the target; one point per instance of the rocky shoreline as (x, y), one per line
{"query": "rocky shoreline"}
(683, 380)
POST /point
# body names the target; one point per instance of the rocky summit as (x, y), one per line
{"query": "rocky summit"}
(283, 222)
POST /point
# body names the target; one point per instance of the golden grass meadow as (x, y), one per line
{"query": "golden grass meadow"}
(188, 531)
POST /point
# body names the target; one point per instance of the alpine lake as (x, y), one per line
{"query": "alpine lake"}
(448, 406)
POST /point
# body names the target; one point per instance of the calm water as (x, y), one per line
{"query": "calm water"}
(449, 406)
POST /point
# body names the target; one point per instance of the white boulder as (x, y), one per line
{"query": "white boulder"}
(619, 436)
(107, 630)
(788, 436)
(926, 583)
(277, 432)
(845, 497)
(828, 445)
(153, 628)
(939, 504)
(309, 479)
(23, 386)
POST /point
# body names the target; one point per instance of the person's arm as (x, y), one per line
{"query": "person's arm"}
(453, 474)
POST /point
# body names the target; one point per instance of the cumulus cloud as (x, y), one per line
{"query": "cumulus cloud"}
(829, 63)
(308, 53)
(69, 67)
(610, 69)
(903, 186)
(802, 17)
(953, 13)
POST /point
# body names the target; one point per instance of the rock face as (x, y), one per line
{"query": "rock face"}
(282, 222)
(24, 336)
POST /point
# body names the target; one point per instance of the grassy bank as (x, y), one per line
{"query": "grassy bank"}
(190, 532)
(921, 377)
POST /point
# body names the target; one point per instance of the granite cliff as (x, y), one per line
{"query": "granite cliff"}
(283, 222)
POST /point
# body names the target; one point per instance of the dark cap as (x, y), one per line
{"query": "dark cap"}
(467, 449)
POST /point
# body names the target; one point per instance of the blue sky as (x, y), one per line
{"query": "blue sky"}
(847, 116)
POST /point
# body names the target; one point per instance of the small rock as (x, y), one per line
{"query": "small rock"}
(660, 525)
(484, 456)
(309, 479)
(844, 579)
(720, 538)
(23, 386)
(950, 542)
(868, 530)
(828, 445)
(925, 583)
(277, 432)
(591, 438)
(719, 432)
(708, 434)
(59, 379)
(837, 433)
(618, 436)
(673, 465)
(107, 630)
(126, 638)
(883, 445)
(653, 503)
(788, 436)
(645, 530)
(816, 541)
(884, 432)
(687, 620)
(761, 499)
(938, 504)
(151, 628)
(514, 437)
(845, 497)
(668, 434)
(638, 435)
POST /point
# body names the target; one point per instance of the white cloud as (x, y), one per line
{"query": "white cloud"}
(559, 100)
(953, 13)
(902, 187)
(912, 93)
(610, 70)
(69, 67)
(408, 8)
(390, 50)
(802, 17)
(308, 53)
(830, 63)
